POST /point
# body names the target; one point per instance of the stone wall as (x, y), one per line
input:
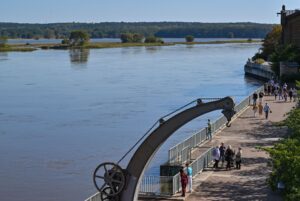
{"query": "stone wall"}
(259, 71)
(288, 68)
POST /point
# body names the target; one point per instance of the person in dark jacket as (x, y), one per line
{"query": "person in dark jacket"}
(238, 158)
(229, 157)
(222, 153)
(254, 97)
(184, 181)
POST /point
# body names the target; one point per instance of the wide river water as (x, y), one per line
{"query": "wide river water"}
(64, 112)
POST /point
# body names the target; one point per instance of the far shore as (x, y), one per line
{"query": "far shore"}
(99, 45)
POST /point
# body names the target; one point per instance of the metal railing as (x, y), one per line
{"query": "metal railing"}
(290, 12)
(95, 197)
(178, 154)
(156, 185)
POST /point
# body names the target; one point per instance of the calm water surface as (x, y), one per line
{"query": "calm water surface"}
(64, 112)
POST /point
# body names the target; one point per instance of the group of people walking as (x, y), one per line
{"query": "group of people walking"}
(282, 92)
(221, 153)
(259, 106)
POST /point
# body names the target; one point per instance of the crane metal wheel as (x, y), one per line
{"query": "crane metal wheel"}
(109, 179)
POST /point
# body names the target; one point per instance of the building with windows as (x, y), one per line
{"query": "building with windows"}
(290, 22)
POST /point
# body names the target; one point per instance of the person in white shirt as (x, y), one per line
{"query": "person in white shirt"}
(189, 172)
(216, 156)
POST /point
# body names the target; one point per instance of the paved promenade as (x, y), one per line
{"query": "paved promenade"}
(250, 133)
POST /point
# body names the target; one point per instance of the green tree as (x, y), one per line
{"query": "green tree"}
(131, 38)
(137, 38)
(78, 38)
(3, 41)
(287, 53)
(126, 37)
(150, 39)
(189, 38)
(153, 39)
(271, 41)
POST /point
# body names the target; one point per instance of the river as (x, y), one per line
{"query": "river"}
(64, 112)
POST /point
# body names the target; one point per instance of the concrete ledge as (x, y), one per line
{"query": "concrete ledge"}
(156, 197)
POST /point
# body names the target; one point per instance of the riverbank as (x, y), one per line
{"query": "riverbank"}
(100, 45)
(12, 48)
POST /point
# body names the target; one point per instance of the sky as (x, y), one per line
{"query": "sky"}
(49, 11)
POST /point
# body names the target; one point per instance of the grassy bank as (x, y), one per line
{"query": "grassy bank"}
(220, 42)
(286, 158)
(96, 45)
(10, 48)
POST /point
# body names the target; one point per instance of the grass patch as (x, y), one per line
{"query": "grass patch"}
(220, 42)
(17, 49)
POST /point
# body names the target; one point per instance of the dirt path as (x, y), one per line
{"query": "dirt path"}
(249, 183)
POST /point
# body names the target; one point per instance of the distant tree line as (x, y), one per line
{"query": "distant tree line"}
(157, 29)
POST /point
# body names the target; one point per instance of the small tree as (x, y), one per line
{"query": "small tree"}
(126, 37)
(131, 38)
(150, 39)
(78, 38)
(189, 38)
(3, 41)
(137, 38)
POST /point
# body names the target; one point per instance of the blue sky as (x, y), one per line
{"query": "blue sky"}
(41, 11)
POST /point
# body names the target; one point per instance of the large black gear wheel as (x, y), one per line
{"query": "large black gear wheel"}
(109, 179)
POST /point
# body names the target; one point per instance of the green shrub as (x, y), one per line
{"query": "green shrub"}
(286, 159)
(290, 78)
(153, 39)
(79, 38)
(189, 38)
(3, 41)
(131, 38)
(259, 61)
